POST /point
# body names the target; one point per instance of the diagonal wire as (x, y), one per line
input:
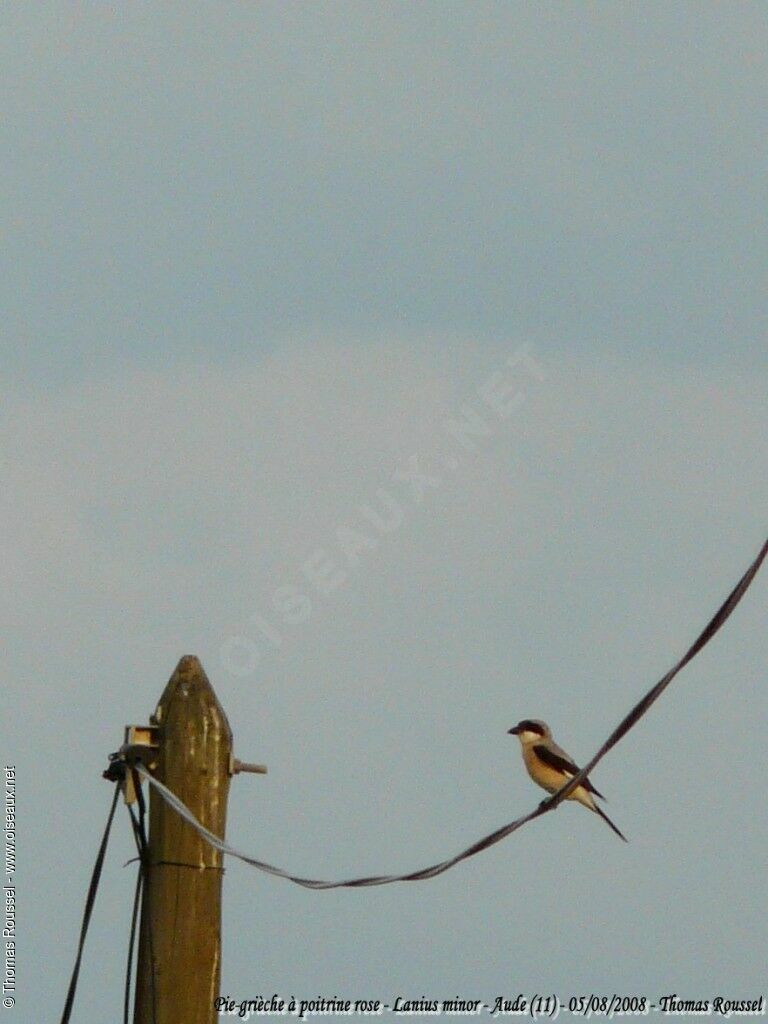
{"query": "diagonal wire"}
(139, 826)
(656, 691)
(132, 937)
(89, 902)
(717, 620)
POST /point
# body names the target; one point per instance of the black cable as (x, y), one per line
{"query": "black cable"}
(132, 943)
(89, 902)
(139, 826)
(717, 620)
(637, 712)
(134, 912)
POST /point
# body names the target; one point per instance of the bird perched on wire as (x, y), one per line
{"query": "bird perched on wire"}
(551, 768)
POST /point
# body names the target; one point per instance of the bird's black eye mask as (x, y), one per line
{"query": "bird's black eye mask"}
(527, 726)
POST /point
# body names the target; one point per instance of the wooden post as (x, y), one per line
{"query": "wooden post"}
(181, 907)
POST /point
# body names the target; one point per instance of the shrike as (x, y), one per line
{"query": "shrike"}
(550, 767)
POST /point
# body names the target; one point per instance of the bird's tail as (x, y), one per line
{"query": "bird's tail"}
(608, 821)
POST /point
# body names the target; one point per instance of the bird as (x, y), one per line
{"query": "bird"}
(550, 767)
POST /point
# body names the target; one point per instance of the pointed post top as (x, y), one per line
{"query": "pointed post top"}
(189, 683)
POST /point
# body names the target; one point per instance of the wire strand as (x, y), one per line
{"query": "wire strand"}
(139, 826)
(632, 717)
(132, 944)
(89, 903)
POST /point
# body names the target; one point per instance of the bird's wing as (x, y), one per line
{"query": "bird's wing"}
(559, 760)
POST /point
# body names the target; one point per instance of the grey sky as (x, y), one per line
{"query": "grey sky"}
(257, 258)
(184, 178)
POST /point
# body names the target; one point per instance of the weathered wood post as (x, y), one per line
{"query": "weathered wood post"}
(180, 939)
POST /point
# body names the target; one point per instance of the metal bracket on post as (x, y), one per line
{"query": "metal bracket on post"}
(140, 744)
(236, 766)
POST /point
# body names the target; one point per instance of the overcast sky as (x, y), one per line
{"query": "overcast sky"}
(262, 263)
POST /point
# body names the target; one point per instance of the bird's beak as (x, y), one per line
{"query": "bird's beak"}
(514, 731)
